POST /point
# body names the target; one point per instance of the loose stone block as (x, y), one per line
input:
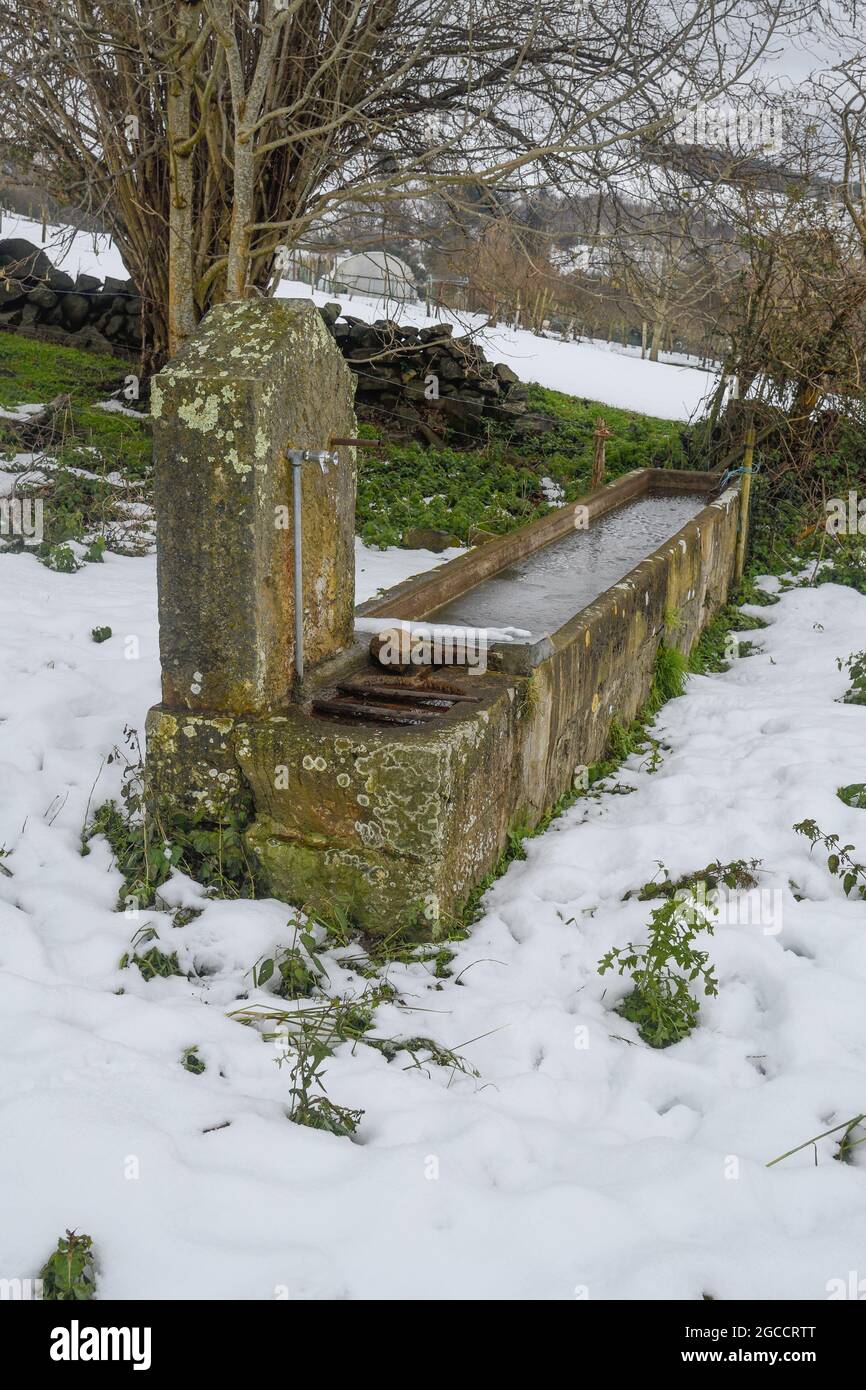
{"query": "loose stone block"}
(258, 378)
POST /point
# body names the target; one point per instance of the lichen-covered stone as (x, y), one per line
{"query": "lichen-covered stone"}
(192, 768)
(257, 379)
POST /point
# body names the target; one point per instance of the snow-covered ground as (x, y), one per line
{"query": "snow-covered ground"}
(673, 389)
(579, 1163)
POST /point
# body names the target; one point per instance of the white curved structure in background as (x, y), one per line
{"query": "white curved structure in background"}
(376, 273)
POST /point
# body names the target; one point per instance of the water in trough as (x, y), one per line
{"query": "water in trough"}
(543, 591)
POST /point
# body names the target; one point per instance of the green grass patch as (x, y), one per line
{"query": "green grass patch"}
(498, 485)
(637, 441)
(32, 373)
(719, 641)
(88, 464)
(407, 485)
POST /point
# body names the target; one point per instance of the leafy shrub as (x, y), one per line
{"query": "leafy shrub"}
(308, 1108)
(669, 676)
(61, 558)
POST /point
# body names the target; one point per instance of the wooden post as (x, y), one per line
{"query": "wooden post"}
(745, 497)
(598, 462)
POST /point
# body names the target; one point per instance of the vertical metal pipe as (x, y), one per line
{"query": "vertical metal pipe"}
(297, 464)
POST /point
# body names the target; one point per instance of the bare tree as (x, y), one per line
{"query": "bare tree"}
(779, 241)
(207, 134)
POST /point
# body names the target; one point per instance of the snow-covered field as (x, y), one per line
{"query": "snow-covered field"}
(580, 1163)
(608, 372)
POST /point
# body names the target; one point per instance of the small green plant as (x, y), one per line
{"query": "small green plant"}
(62, 559)
(853, 795)
(95, 552)
(847, 566)
(654, 758)
(310, 1032)
(528, 697)
(850, 874)
(622, 741)
(69, 1275)
(100, 634)
(299, 971)
(152, 963)
(182, 916)
(307, 1072)
(855, 665)
(738, 875)
(191, 1061)
(211, 852)
(424, 1052)
(660, 1003)
(339, 925)
(669, 676)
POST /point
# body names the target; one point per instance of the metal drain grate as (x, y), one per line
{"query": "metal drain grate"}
(389, 704)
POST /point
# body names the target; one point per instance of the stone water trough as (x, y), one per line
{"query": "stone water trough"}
(378, 758)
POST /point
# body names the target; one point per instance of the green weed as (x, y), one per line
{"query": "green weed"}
(839, 862)
(191, 1061)
(69, 1275)
(211, 852)
(661, 1004)
(152, 963)
(738, 875)
(855, 665)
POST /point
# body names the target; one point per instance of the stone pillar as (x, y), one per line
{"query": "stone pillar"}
(257, 379)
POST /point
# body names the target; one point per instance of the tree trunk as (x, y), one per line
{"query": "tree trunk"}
(182, 315)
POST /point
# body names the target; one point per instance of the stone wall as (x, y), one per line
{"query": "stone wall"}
(37, 300)
(420, 381)
(425, 379)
